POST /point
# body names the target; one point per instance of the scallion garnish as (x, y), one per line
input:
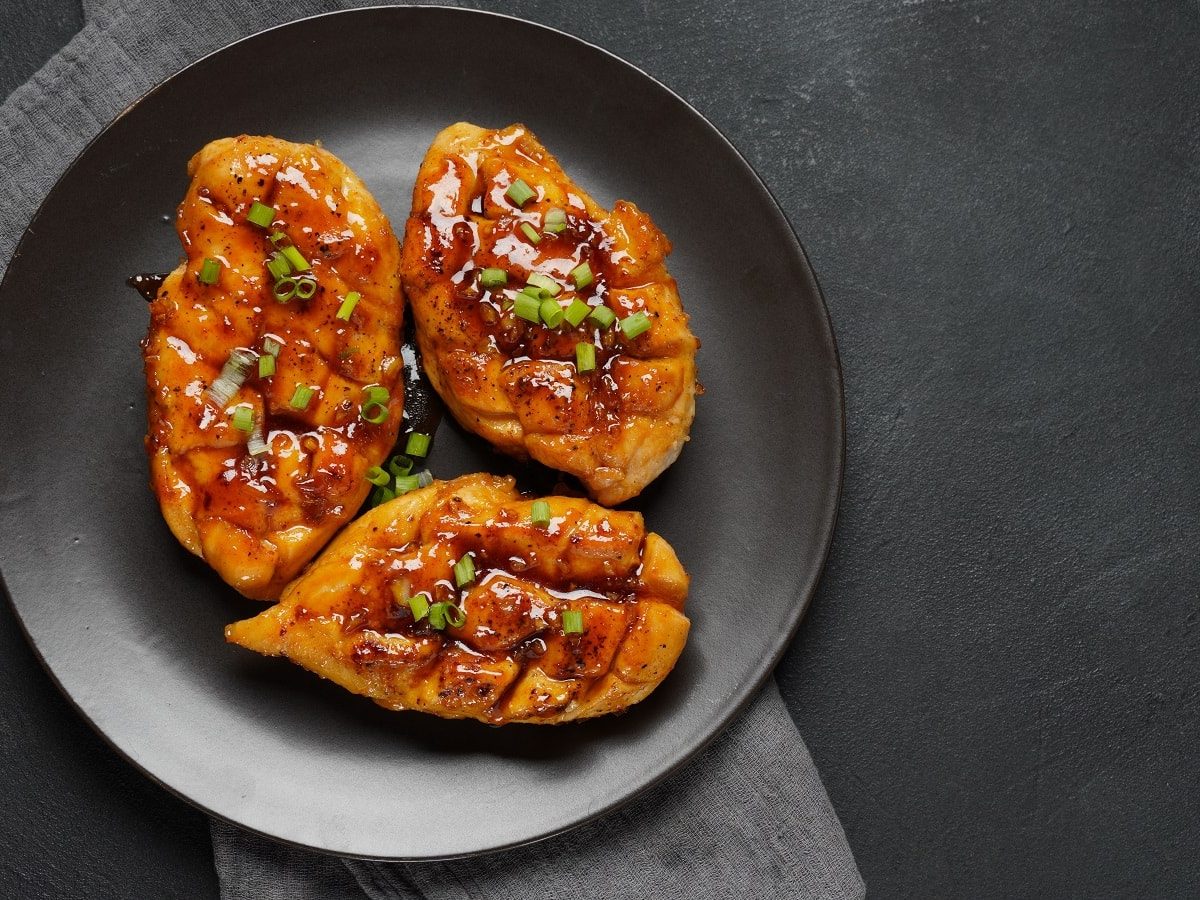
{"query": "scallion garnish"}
(602, 316)
(551, 313)
(582, 275)
(305, 288)
(376, 393)
(417, 444)
(277, 236)
(278, 266)
(635, 324)
(400, 465)
(418, 604)
(255, 444)
(284, 290)
(556, 220)
(374, 413)
(547, 284)
(266, 365)
(530, 233)
(295, 258)
(271, 346)
(455, 616)
(493, 278)
(348, 305)
(539, 513)
(442, 614)
(585, 356)
(233, 375)
(406, 483)
(577, 312)
(464, 571)
(261, 215)
(380, 495)
(210, 271)
(526, 306)
(520, 193)
(378, 476)
(572, 621)
(243, 418)
(424, 478)
(301, 397)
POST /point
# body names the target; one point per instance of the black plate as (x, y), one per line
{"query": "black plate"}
(130, 626)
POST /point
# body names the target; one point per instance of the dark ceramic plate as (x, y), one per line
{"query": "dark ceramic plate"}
(130, 625)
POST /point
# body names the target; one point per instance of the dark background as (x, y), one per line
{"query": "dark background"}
(998, 676)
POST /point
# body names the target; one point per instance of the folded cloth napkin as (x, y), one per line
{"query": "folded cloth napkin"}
(748, 818)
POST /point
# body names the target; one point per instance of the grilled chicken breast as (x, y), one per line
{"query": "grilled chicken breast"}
(272, 386)
(594, 374)
(563, 612)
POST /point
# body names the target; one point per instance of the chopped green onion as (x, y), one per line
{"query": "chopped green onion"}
(380, 495)
(549, 285)
(373, 412)
(585, 356)
(552, 314)
(464, 570)
(278, 266)
(243, 418)
(526, 306)
(493, 278)
(266, 365)
(271, 346)
(277, 236)
(455, 615)
(577, 312)
(531, 233)
(300, 398)
(210, 271)
(536, 292)
(261, 215)
(437, 616)
(539, 513)
(255, 443)
(376, 393)
(582, 275)
(296, 258)
(520, 193)
(348, 305)
(285, 289)
(602, 316)
(305, 288)
(377, 476)
(556, 221)
(635, 324)
(400, 465)
(233, 375)
(419, 604)
(417, 444)
(406, 483)
(424, 478)
(572, 621)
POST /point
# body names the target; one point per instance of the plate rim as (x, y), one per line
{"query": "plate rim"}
(829, 512)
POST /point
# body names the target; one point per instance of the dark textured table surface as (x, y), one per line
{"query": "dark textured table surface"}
(998, 676)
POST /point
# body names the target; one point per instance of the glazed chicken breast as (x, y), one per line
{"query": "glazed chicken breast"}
(550, 326)
(466, 600)
(272, 359)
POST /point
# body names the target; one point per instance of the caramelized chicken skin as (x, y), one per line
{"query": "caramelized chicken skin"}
(522, 384)
(258, 517)
(563, 620)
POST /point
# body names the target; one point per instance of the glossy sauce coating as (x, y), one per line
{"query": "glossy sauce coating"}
(509, 660)
(515, 382)
(257, 519)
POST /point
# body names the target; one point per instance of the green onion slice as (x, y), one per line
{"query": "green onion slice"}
(377, 476)
(305, 288)
(539, 513)
(375, 413)
(635, 324)
(493, 278)
(348, 305)
(417, 444)
(261, 215)
(266, 365)
(582, 275)
(277, 236)
(547, 284)
(400, 465)
(271, 346)
(602, 316)
(376, 393)
(243, 418)
(380, 495)
(520, 193)
(437, 616)
(278, 266)
(530, 233)
(464, 571)
(285, 289)
(556, 220)
(527, 307)
(424, 478)
(552, 314)
(255, 443)
(456, 616)
(585, 356)
(301, 397)
(572, 621)
(577, 312)
(296, 258)
(419, 605)
(210, 271)
(406, 483)
(233, 376)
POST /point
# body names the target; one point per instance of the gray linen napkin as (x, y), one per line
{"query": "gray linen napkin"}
(748, 818)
